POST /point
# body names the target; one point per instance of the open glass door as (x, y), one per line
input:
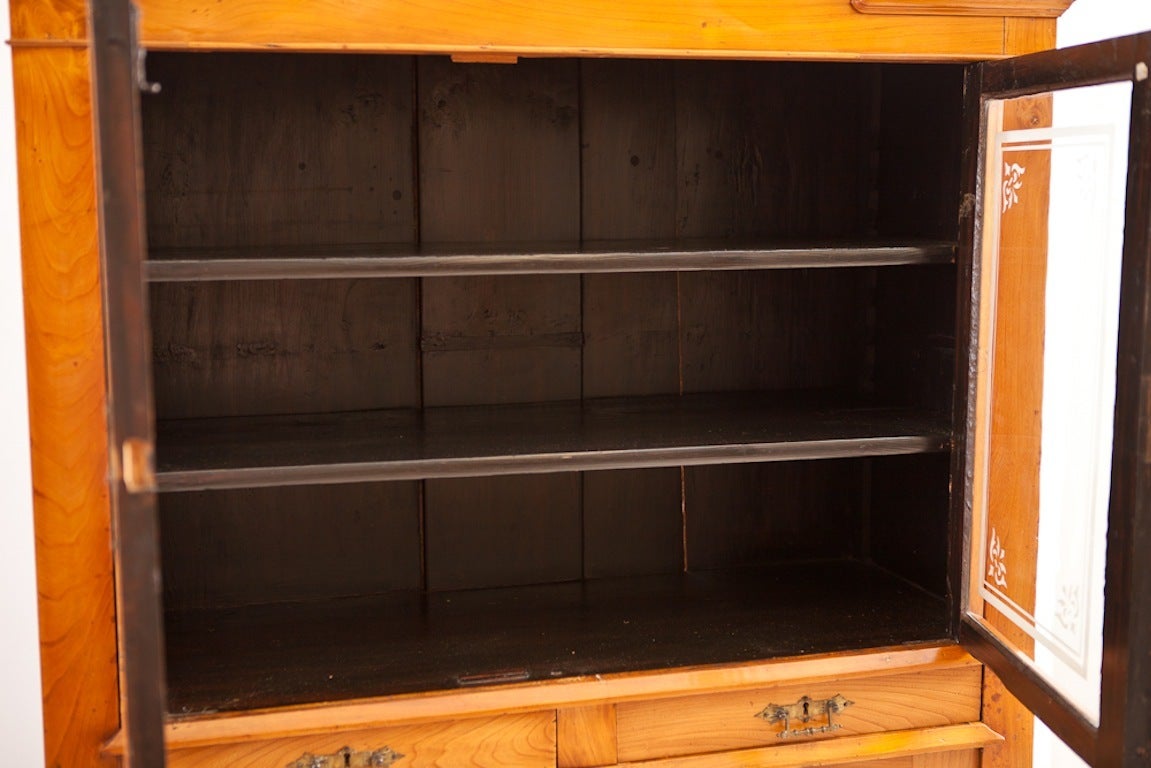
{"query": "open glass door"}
(1056, 435)
(117, 77)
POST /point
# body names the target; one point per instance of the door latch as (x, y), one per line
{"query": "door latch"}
(346, 758)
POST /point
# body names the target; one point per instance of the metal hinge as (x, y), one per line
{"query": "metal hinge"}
(804, 711)
(139, 53)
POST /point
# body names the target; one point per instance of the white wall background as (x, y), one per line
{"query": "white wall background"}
(20, 720)
(21, 729)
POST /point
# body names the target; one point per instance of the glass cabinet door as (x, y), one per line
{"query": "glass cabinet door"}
(1050, 435)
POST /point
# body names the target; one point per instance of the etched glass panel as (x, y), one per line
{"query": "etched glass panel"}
(1055, 182)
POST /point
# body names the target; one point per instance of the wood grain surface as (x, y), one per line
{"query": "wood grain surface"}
(478, 441)
(786, 29)
(1016, 408)
(284, 655)
(66, 393)
(848, 750)
(586, 736)
(1013, 8)
(49, 21)
(522, 697)
(726, 721)
(527, 740)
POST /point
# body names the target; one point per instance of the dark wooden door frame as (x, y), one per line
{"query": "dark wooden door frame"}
(115, 81)
(1123, 738)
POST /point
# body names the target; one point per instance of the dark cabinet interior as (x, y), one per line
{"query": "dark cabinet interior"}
(468, 373)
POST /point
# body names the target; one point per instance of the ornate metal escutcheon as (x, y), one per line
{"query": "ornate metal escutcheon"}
(804, 711)
(346, 758)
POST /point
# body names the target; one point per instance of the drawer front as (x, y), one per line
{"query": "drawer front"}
(766, 717)
(512, 740)
(967, 758)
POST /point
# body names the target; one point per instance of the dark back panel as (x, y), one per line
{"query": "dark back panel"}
(907, 524)
(775, 150)
(918, 193)
(266, 545)
(244, 149)
(495, 532)
(776, 330)
(632, 520)
(750, 514)
(919, 148)
(347, 149)
(499, 161)
(284, 346)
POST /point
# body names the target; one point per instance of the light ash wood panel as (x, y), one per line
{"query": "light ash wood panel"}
(243, 150)
(727, 721)
(67, 401)
(846, 750)
(968, 758)
(804, 28)
(586, 736)
(1014, 8)
(1028, 35)
(526, 740)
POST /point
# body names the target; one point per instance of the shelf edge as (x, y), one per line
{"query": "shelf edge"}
(645, 458)
(575, 262)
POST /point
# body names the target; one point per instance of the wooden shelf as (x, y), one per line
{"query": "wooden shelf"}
(293, 653)
(185, 265)
(615, 433)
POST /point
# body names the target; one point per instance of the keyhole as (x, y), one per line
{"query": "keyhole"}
(805, 706)
(347, 760)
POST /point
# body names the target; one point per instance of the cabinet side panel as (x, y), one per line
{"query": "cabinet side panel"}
(64, 330)
(49, 19)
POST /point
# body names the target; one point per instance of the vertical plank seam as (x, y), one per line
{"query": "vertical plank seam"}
(417, 235)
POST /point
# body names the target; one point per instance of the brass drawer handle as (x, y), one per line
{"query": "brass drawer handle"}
(804, 711)
(346, 758)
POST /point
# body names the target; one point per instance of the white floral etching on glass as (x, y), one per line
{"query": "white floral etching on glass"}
(1067, 607)
(1012, 183)
(997, 571)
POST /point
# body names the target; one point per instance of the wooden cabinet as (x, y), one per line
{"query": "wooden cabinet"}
(526, 385)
